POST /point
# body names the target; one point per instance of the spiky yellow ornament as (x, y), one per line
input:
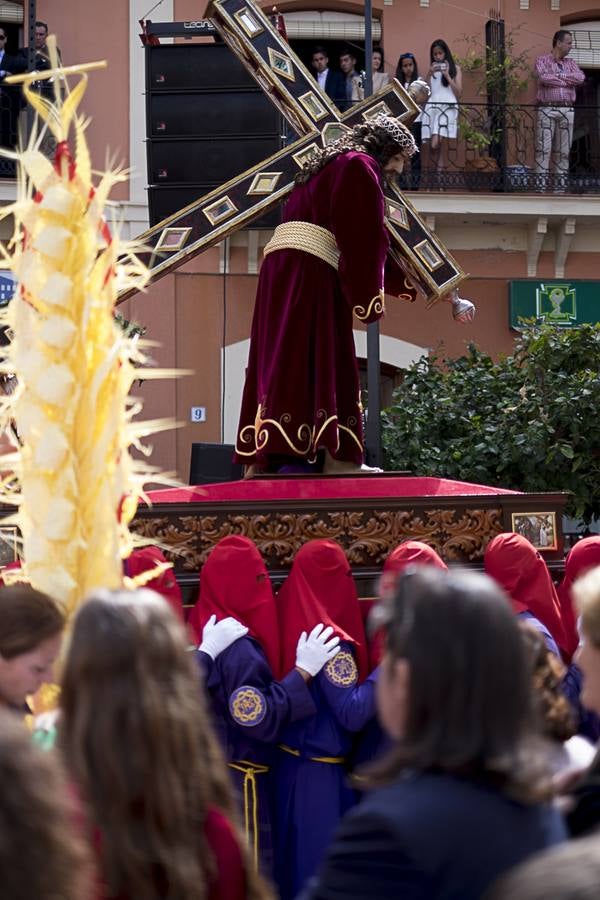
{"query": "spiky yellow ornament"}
(75, 485)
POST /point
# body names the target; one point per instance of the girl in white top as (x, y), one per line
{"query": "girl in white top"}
(440, 116)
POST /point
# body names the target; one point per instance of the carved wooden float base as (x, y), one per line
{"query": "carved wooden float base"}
(367, 518)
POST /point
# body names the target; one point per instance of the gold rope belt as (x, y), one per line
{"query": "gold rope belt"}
(335, 760)
(250, 771)
(308, 237)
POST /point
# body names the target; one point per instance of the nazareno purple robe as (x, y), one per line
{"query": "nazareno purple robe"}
(302, 385)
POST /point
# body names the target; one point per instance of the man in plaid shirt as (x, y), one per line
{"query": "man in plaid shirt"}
(558, 79)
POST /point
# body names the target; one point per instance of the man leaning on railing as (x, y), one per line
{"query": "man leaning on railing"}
(558, 79)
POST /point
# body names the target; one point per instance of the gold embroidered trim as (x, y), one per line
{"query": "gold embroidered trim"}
(342, 670)
(307, 237)
(257, 435)
(247, 706)
(377, 305)
(352, 435)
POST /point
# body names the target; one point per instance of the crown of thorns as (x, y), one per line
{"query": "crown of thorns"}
(398, 132)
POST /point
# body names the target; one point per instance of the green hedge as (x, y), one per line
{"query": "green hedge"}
(530, 421)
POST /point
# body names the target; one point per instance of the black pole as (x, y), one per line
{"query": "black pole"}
(373, 429)
(31, 17)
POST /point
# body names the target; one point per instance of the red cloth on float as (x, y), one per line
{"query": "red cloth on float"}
(320, 588)
(408, 553)
(234, 582)
(146, 558)
(10, 567)
(514, 563)
(583, 556)
(302, 385)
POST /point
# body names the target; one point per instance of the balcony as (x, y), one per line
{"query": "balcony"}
(497, 151)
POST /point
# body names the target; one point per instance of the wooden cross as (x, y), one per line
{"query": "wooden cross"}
(317, 122)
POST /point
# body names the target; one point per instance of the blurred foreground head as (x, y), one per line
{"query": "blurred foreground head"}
(455, 686)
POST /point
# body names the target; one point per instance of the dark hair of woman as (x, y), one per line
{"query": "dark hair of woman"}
(449, 59)
(41, 854)
(556, 716)
(27, 617)
(400, 74)
(379, 50)
(469, 705)
(137, 740)
(367, 137)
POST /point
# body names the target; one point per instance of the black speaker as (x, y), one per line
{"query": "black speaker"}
(212, 463)
(182, 161)
(207, 121)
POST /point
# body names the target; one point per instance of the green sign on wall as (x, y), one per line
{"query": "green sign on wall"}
(563, 303)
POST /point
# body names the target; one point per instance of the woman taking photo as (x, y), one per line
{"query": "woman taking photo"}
(139, 749)
(461, 795)
(440, 117)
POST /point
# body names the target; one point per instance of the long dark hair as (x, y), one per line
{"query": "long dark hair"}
(449, 59)
(380, 51)
(556, 716)
(470, 700)
(400, 74)
(41, 854)
(369, 138)
(137, 741)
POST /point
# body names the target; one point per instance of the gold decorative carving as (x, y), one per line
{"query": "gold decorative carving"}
(366, 536)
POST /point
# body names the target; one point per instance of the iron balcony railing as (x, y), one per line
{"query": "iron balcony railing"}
(498, 148)
(508, 148)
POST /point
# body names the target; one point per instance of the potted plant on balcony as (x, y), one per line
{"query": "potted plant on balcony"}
(481, 169)
(501, 76)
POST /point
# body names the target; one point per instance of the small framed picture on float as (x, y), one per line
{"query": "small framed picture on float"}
(8, 544)
(538, 527)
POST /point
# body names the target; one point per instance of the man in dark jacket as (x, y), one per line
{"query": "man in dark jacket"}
(9, 94)
(329, 81)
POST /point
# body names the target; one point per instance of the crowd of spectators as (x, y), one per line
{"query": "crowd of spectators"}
(557, 79)
(286, 753)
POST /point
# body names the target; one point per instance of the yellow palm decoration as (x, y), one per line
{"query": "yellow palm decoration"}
(75, 485)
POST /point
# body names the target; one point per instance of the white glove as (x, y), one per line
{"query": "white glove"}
(315, 651)
(218, 636)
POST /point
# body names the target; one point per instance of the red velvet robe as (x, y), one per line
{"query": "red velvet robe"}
(302, 385)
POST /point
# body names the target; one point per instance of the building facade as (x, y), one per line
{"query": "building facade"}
(499, 225)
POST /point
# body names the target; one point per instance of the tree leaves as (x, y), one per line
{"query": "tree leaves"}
(529, 421)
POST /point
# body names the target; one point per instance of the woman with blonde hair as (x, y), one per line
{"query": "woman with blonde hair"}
(137, 743)
(584, 813)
